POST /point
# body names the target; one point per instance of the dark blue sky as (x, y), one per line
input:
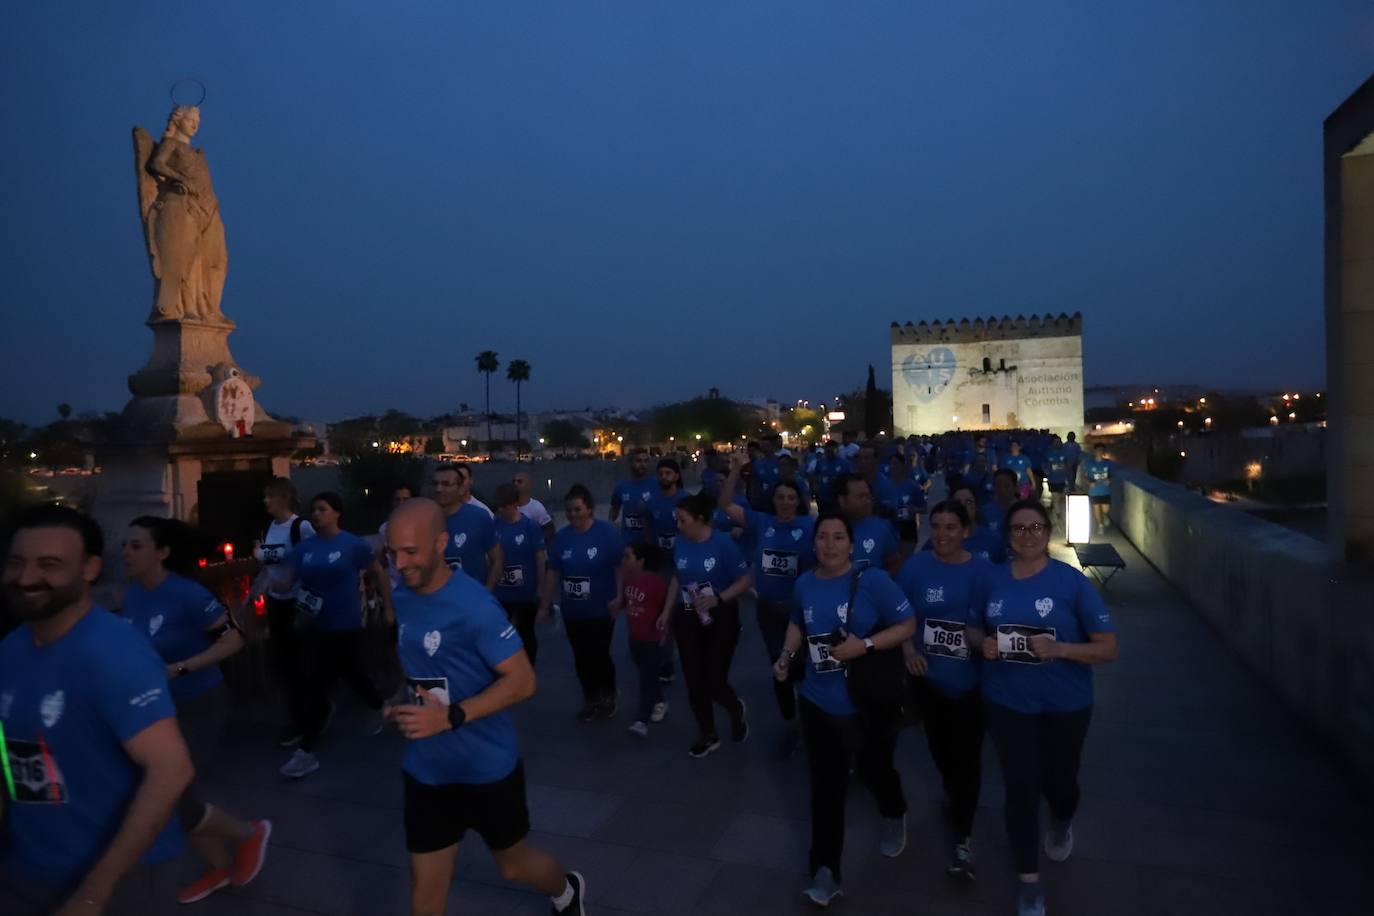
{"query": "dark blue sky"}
(646, 199)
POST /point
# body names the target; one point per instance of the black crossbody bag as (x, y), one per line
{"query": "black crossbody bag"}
(877, 680)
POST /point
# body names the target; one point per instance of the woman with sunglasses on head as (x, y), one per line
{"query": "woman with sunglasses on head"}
(192, 632)
(841, 612)
(784, 548)
(1045, 626)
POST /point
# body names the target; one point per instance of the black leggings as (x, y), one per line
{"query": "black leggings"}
(522, 614)
(324, 657)
(832, 742)
(591, 647)
(707, 651)
(1040, 753)
(774, 617)
(954, 733)
(285, 651)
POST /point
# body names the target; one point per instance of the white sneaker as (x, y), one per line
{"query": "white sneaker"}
(1059, 842)
(302, 763)
(659, 714)
(639, 730)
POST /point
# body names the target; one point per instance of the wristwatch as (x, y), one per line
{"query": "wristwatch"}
(869, 648)
(181, 670)
(456, 716)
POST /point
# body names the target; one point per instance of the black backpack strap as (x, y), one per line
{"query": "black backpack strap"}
(853, 592)
(296, 530)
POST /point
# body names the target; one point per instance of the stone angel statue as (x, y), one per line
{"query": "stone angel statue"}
(181, 221)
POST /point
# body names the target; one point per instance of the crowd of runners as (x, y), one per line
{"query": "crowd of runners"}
(875, 609)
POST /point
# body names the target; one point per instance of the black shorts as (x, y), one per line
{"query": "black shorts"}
(438, 817)
(1100, 500)
(1057, 487)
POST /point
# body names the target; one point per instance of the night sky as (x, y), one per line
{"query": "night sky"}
(647, 199)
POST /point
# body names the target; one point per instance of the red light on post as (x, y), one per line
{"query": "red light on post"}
(260, 606)
(203, 563)
(228, 550)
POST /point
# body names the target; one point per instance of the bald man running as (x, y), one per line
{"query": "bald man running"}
(464, 666)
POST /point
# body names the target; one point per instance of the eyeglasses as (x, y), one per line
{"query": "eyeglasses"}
(1035, 528)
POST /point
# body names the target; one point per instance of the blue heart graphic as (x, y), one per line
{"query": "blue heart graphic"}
(928, 374)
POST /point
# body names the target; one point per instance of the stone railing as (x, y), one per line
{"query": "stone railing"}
(1306, 625)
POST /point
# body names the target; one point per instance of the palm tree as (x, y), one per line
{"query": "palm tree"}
(487, 363)
(518, 371)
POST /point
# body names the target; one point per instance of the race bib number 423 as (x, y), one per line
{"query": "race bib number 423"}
(780, 563)
(1013, 642)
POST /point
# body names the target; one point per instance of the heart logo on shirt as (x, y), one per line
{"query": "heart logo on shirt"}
(334, 556)
(796, 534)
(681, 562)
(307, 557)
(935, 595)
(869, 544)
(460, 539)
(591, 553)
(1044, 606)
(154, 624)
(432, 640)
(519, 539)
(645, 496)
(769, 533)
(929, 373)
(709, 563)
(842, 612)
(50, 710)
(995, 608)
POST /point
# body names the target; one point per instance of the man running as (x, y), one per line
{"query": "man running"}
(875, 541)
(473, 546)
(94, 751)
(530, 507)
(631, 498)
(464, 669)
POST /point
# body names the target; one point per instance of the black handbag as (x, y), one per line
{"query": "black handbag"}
(877, 680)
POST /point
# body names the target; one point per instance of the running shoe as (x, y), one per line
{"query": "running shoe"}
(704, 746)
(1059, 841)
(1030, 901)
(578, 905)
(204, 886)
(961, 862)
(606, 709)
(250, 855)
(290, 738)
(667, 677)
(639, 730)
(587, 713)
(739, 725)
(824, 888)
(302, 763)
(892, 839)
(659, 714)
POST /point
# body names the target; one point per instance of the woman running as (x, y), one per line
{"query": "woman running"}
(192, 632)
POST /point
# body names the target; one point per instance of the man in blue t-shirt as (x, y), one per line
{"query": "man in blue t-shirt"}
(94, 753)
(828, 467)
(630, 498)
(875, 540)
(1097, 472)
(464, 668)
(473, 546)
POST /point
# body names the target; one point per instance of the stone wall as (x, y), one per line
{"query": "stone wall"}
(1305, 625)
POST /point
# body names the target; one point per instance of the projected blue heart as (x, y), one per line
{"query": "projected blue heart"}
(928, 374)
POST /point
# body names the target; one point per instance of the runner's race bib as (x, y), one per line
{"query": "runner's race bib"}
(819, 646)
(36, 776)
(577, 588)
(513, 576)
(633, 523)
(309, 603)
(780, 563)
(666, 541)
(904, 513)
(1013, 642)
(437, 687)
(272, 554)
(944, 637)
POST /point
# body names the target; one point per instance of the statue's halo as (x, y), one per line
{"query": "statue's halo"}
(183, 83)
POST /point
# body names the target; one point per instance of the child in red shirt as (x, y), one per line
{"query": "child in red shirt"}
(642, 598)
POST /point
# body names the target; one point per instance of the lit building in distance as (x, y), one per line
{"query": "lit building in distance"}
(988, 374)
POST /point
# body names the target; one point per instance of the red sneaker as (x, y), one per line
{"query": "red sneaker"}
(251, 854)
(204, 886)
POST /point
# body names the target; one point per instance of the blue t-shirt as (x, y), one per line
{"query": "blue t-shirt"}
(176, 617)
(765, 476)
(68, 708)
(1058, 601)
(631, 497)
(449, 642)
(820, 607)
(586, 561)
(663, 517)
(708, 567)
(946, 598)
(783, 551)
(521, 543)
(1073, 452)
(1056, 466)
(827, 469)
(1021, 464)
(471, 535)
(874, 542)
(327, 570)
(904, 499)
(1099, 474)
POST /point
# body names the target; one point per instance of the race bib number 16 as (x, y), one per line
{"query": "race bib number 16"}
(1013, 642)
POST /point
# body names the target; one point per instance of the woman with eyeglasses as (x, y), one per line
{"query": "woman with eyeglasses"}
(981, 540)
(1045, 626)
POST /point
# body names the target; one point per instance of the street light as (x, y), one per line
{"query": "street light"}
(541, 440)
(376, 444)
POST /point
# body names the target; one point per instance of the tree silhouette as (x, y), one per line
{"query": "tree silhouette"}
(518, 371)
(64, 411)
(488, 364)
